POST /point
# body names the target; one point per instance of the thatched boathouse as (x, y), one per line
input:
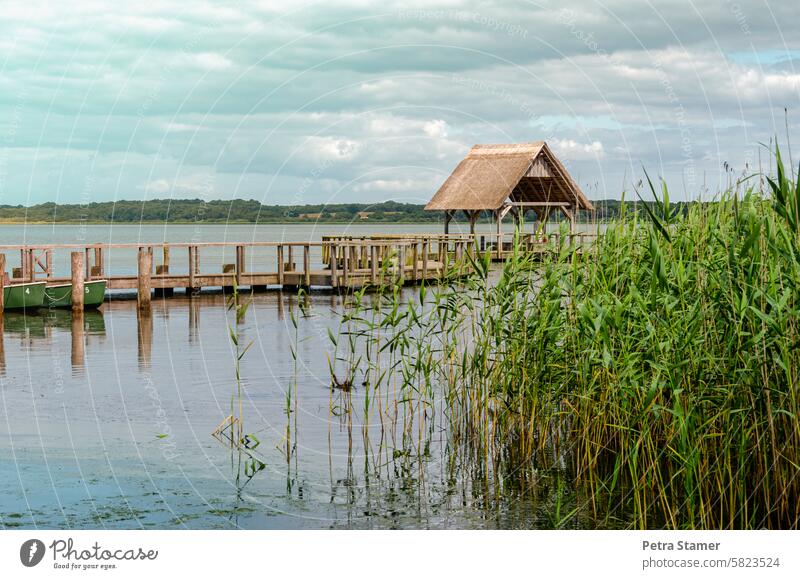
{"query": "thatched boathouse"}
(513, 178)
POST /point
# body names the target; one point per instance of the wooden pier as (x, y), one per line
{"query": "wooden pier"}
(335, 262)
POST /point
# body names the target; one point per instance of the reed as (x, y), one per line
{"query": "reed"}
(657, 371)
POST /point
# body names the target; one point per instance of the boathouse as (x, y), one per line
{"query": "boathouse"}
(509, 179)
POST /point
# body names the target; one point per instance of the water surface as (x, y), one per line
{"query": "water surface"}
(107, 419)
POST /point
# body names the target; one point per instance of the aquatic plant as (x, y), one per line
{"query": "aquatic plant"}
(657, 368)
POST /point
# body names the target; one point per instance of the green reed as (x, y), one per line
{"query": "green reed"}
(656, 369)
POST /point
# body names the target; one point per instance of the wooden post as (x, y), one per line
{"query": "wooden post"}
(448, 215)
(307, 265)
(280, 266)
(401, 264)
(425, 259)
(334, 265)
(414, 266)
(98, 261)
(373, 264)
(78, 269)
(2, 281)
(192, 270)
(239, 264)
(31, 272)
(291, 258)
(345, 265)
(48, 260)
(145, 272)
(88, 262)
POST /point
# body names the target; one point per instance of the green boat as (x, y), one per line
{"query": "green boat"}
(60, 296)
(23, 296)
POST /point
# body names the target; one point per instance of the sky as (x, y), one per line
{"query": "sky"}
(356, 101)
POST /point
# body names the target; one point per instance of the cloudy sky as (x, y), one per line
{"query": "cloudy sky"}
(369, 101)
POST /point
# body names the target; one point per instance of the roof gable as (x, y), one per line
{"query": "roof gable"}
(489, 174)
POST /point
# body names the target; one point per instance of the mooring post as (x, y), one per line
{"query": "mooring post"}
(78, 272)
(2, 281)
(145, 272)
(192, 270)
(88, 263)
(334, 273)
(280, 266)
(307, 265)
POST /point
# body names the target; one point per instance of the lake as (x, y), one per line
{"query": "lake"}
(107, 420)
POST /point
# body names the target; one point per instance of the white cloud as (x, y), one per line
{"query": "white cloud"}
(573, 151)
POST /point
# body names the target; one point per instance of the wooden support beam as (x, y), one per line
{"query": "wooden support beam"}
(193, 270)
(98, 261)
(345, 266)
(280, 266)
(448, 215)
(145, 269)
(306, 266)
(78, 269)
(373, 264)
(334, 266)
(424, 260)
(239, 264)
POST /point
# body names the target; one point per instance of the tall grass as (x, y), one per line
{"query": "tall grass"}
(658, 369)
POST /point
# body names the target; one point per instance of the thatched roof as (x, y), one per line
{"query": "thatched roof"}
(490, 174)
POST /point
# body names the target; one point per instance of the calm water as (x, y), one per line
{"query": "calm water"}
(107, 421)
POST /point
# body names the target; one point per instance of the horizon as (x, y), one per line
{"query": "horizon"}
(359, 103)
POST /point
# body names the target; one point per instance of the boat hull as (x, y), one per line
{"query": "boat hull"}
(60, 296)
(23, 296)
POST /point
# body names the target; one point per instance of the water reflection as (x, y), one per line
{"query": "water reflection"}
(144, 326)
(78, 353)
(125, 440)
